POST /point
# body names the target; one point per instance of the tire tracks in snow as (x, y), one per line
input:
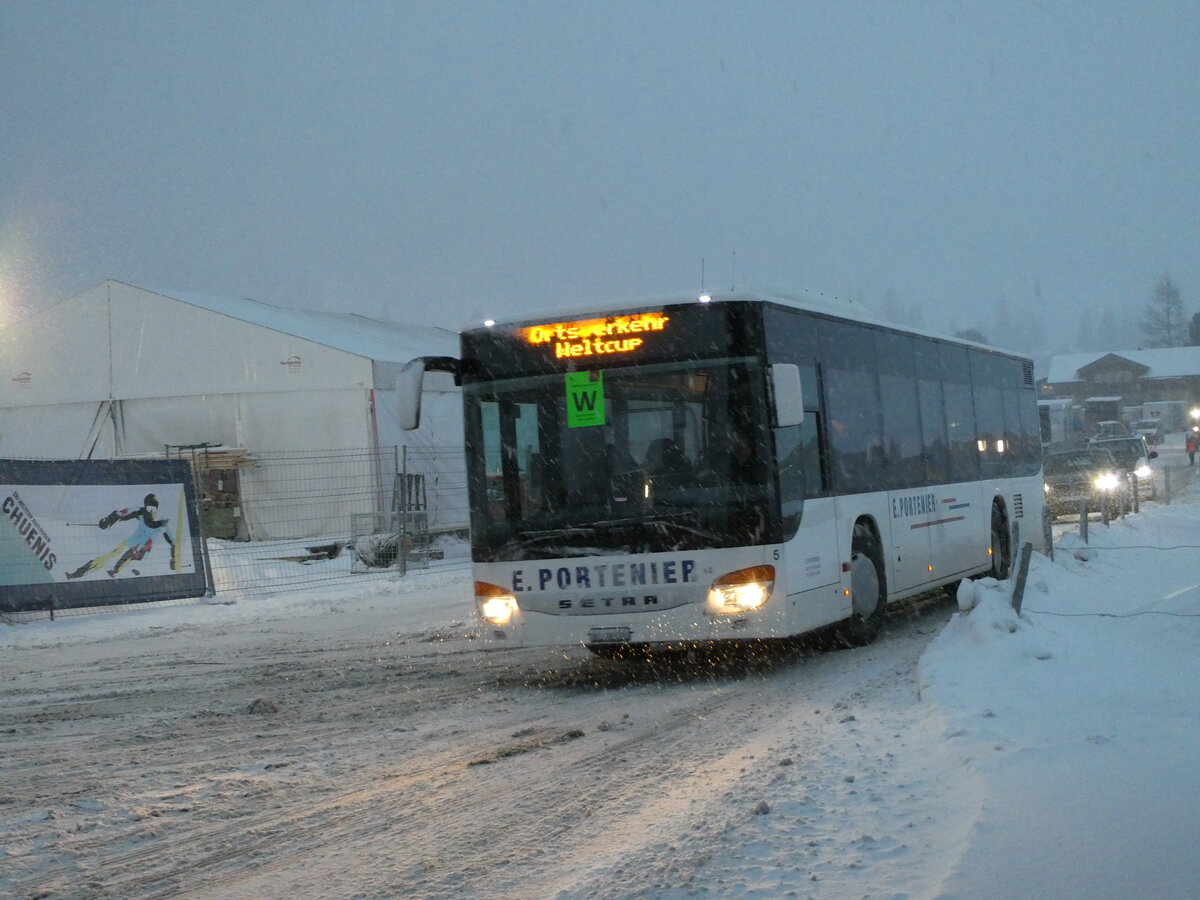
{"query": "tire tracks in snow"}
(392, 769)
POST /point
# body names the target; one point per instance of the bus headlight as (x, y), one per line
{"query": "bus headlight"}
(497, 606)
(1107, 482)
(743, 590)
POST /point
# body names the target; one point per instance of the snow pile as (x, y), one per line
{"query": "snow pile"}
(1081, 717)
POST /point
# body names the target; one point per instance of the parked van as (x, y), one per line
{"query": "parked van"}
(1151, 429)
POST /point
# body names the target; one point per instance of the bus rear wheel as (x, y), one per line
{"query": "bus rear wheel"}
(868, 590)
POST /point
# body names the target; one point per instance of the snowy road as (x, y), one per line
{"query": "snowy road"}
(339, 755)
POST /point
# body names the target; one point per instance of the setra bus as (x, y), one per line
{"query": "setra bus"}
(731, 468)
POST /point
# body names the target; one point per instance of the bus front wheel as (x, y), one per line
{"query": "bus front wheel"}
(868, 590)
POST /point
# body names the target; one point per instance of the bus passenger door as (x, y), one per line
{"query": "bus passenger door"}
(811, 555)
(812, 558)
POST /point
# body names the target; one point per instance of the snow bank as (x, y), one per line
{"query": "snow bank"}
(1080, 716)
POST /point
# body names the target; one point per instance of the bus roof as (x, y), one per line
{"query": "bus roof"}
(810, 301)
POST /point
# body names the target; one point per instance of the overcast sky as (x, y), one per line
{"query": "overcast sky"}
(450, 160)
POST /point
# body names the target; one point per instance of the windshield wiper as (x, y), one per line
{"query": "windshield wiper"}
(532, 538)
(660, 523)
(677, 521)
(626, 527)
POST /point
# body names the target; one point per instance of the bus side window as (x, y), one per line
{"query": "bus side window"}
(960, 412)
(855, 430)
(987, 378)
(931, 399)
(904, 463)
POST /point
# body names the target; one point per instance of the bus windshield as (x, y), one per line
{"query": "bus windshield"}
(621, 460)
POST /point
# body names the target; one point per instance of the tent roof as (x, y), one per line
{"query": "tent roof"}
(1164, 362)
(348, 332)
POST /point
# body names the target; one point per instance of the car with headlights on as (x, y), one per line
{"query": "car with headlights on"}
(1087, 473)
(1133, 457)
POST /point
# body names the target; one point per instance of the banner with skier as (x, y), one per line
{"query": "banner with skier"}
(93, 533)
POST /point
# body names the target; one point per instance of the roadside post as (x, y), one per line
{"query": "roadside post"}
(1022, 573)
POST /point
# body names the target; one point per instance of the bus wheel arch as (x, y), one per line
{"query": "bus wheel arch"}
(868, 586)
(1000, 541)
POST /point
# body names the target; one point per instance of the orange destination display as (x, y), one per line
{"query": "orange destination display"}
(597, 337)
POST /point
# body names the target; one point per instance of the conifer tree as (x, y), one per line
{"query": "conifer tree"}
(1162, 325)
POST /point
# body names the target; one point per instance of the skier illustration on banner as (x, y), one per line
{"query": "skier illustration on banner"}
(138, 544)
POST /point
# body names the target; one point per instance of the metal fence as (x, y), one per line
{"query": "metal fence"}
(301, 519)
(1170, 480)
(278, 522)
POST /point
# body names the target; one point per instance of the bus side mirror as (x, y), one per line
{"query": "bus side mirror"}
(789, 395)
(411, 382)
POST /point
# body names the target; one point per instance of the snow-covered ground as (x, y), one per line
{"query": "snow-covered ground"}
(354, 743)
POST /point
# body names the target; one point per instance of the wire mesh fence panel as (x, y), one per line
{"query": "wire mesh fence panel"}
(341, 516)
(244, 569)
(445, 483)
(291, 495)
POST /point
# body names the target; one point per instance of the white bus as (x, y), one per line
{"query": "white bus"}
(732, 468)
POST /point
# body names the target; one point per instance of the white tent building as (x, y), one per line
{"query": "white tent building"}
(120, 371)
